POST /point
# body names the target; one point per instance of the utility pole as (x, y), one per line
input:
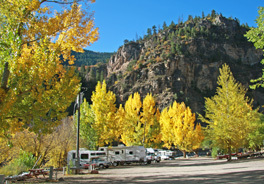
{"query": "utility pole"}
(79, 101)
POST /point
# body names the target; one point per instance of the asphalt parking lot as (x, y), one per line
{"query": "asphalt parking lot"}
(192, 170)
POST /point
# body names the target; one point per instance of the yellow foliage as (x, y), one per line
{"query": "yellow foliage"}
(50, 147)
(32, 41)
(229, 114)
(104, 108)
(140, 122)
(178, 127)
(158, 59)
(132, 116)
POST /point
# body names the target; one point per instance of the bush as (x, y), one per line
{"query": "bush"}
(23, 163)
(131, 65)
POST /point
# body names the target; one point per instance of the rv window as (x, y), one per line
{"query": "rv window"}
(102, 149)
(131, 152)
(122, 151)
(84, 156)
(100, 153)
(117, 152)
(73, 155)
(92, 154)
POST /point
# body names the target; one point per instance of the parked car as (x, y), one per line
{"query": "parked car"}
(100, 163)
(151, 155)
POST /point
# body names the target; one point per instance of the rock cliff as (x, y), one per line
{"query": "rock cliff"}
(181, 62)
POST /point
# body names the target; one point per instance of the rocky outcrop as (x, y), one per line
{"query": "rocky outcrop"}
(190, 74)
(124, 55)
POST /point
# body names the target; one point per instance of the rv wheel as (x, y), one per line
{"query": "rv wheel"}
(115, 164)
(149, 162)
(101, 166)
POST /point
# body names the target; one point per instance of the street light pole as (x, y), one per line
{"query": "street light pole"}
(78, 133)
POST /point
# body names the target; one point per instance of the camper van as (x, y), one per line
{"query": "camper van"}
(125, 155)
(88, 157)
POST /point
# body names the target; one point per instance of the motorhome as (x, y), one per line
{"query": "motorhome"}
(125, 155)
(86, 156)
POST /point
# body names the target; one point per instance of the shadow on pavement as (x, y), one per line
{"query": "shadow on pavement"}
(249, 177)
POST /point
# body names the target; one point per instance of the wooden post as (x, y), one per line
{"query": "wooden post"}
(51, 172)
(2, 177)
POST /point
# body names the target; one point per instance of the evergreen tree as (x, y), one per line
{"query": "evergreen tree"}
(164, 25)
(97, 75)
(149, 32)
(203, 15)
(154, 28)
(172, 25)
(213, 14)
(102, 76)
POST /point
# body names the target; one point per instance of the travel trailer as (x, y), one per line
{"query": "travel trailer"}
(86, 156)
(125, 155)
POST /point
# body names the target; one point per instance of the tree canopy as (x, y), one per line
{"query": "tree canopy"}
(255, 35)
(229, 114)
(178, 128)
(35, 40)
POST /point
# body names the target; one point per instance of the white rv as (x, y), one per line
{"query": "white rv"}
(86, 156)
(152, 155)
(122, 154)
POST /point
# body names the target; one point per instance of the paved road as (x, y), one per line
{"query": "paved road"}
(193, 170)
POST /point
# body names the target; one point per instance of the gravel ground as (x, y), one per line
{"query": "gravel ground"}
(192, 170)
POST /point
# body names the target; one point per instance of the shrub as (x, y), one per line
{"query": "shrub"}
(23, 163)
(131, 65)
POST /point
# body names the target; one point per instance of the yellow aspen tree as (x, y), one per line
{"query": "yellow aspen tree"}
(120, 119)
(88, 134)
(178, 128)
(229, 114)
(132, 117)
(104, 108)
(150, 129)
(35, 41)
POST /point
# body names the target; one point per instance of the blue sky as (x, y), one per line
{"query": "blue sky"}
(118, 20)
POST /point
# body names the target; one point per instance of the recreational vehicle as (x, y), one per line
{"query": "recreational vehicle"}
(152, 155)
(125, 155)
(86, 157)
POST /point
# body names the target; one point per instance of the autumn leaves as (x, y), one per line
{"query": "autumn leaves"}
(231, 121)
(35, 42)
(140, 123)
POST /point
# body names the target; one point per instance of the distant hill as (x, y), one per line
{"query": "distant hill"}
(89, 58)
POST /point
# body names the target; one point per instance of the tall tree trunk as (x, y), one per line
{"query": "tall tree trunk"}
(184, 153)
(229, 153)
(5, 77)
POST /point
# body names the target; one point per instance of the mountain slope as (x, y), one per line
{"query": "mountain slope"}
(88, 57)
(181, 62)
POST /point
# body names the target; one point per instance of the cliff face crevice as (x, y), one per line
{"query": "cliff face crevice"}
(182, 63)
